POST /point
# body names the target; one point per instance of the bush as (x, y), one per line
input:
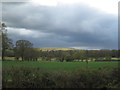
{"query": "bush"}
(33, 77)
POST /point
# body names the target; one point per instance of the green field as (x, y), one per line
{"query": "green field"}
(54, 66)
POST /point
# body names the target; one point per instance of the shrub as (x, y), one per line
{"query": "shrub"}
(33, 77)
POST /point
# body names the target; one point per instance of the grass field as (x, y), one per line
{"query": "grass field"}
(55, 66)
(53, 59)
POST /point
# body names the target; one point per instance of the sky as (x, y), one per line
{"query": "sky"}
(81, 24)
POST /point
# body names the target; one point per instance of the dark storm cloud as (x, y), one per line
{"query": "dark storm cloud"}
(62, 26)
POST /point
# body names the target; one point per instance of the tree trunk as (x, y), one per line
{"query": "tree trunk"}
(36, 59)
(3, 53)
(22, 58)
(82, 60)
(86, 64)
(2, 58)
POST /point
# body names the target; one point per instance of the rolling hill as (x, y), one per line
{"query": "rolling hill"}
(54, 49)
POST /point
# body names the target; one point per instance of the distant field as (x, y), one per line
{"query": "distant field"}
(54, 49)
(53, 59)
(11, 58)
(54, 66)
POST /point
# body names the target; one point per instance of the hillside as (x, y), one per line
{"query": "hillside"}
(54, 49)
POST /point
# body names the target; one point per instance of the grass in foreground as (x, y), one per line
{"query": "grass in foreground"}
(67, 66)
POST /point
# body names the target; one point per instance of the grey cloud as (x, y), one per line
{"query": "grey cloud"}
(70, 25)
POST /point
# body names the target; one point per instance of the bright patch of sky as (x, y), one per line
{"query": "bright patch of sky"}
(108, 6)
(27, 32)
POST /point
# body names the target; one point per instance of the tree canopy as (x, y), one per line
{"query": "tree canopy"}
(21, 47)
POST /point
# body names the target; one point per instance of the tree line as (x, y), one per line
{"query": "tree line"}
(28, 53)
(72, 55)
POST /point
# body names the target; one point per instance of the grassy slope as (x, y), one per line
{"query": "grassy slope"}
(68, 66)
(53, 48)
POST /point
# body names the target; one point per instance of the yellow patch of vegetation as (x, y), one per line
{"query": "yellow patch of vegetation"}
(54, 49)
